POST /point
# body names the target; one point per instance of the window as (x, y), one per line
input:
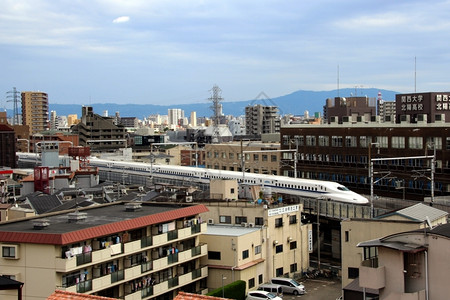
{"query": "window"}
(225, 219)
(293, 245)
(255, 157)
(278, 248)
(260, 279)
(259, 221)
(9, 251)
(232, 191)
(323, 141)
(231, 155)
(251, 283)
(215, 255)
(257, 249)
(364, 141)
(398, 142)
(240, 219)
(347, 237)
(279, 222)
(245, 254)
(299, 140)
(264, 157)
(293, 219)
(350, 141)
(279, 272)
(382, 141)
(310, 140)
(353, 273)
(293, 268)
(273, 158)
(336, 141)
(415, 142)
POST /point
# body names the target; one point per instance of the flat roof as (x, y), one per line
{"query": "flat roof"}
(228, 230)
(100, 220)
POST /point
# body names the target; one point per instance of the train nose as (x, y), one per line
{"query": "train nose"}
(360, 199)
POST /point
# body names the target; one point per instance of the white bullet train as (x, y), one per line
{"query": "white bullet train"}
(326, 190)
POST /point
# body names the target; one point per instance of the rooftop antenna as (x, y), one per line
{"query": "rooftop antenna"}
(415, 74)
(338, 81)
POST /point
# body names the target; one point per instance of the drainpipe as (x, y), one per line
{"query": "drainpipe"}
(426, 275)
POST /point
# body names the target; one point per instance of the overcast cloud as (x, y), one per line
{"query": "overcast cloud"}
(169, 52)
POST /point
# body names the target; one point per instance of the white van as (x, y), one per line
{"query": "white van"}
(290, 286)
(273, 288)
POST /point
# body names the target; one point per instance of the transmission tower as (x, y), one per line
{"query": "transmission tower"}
(13, 96)
(217, 110)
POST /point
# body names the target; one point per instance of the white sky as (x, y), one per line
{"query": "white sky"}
(170, 52)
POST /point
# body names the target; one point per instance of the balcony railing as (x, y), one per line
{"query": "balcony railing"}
(84, 286)
(172, 258)
(196, 228)
(147, 292)
(84, 258)
(117, 276)
(146, 241)
(172, 282)
(147, 266)
(172, 235)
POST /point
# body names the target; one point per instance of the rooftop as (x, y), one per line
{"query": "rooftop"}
(226, 230)
(101, 220)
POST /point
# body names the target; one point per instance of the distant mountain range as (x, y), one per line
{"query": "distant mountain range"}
(295, 103)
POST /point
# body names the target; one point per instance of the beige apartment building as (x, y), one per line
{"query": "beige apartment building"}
(35, 111)
(254, 243)
(228, 156)
(408, 265)
(355, 231)
(130, 251)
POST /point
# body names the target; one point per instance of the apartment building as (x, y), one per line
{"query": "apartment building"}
(228, 156)
(261, 119)
(355, 231)
(7, 146)
(253, 243)
(121, 250)
(99, 133)
(407, 265)
(35, 111)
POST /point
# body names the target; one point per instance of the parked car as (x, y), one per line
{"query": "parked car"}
(290, 286)
(273, 288)
(262, 295)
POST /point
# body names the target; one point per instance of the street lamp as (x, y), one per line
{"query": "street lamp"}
(223, 290)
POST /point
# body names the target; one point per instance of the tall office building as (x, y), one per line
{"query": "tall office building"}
(35, 111)
(175, 114)
(193, 118)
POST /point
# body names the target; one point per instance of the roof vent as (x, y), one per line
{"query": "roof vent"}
(77, 216)
(40, 224)
(132, 206)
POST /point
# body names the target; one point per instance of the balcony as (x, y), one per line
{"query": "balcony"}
(370, 275)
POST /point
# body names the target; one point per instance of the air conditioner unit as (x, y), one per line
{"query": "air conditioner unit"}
(243, 224)
(211, 221)
(189, 199)
(251, 224)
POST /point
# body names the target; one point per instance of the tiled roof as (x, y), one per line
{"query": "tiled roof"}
(189, 296)
(103, 220)
(63, 295)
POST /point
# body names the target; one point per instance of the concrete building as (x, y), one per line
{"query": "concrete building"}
(99, 132)
(261, 119)
(175, 114)
(344, 108)
(228, 156)
(121, 250)
(254, 243)
(423, 107)
(193, 119)
(72, 119)
(355, 231)
(35, 111)
(386, 111)
(7, 146)
(408, 265)
(342, 152)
